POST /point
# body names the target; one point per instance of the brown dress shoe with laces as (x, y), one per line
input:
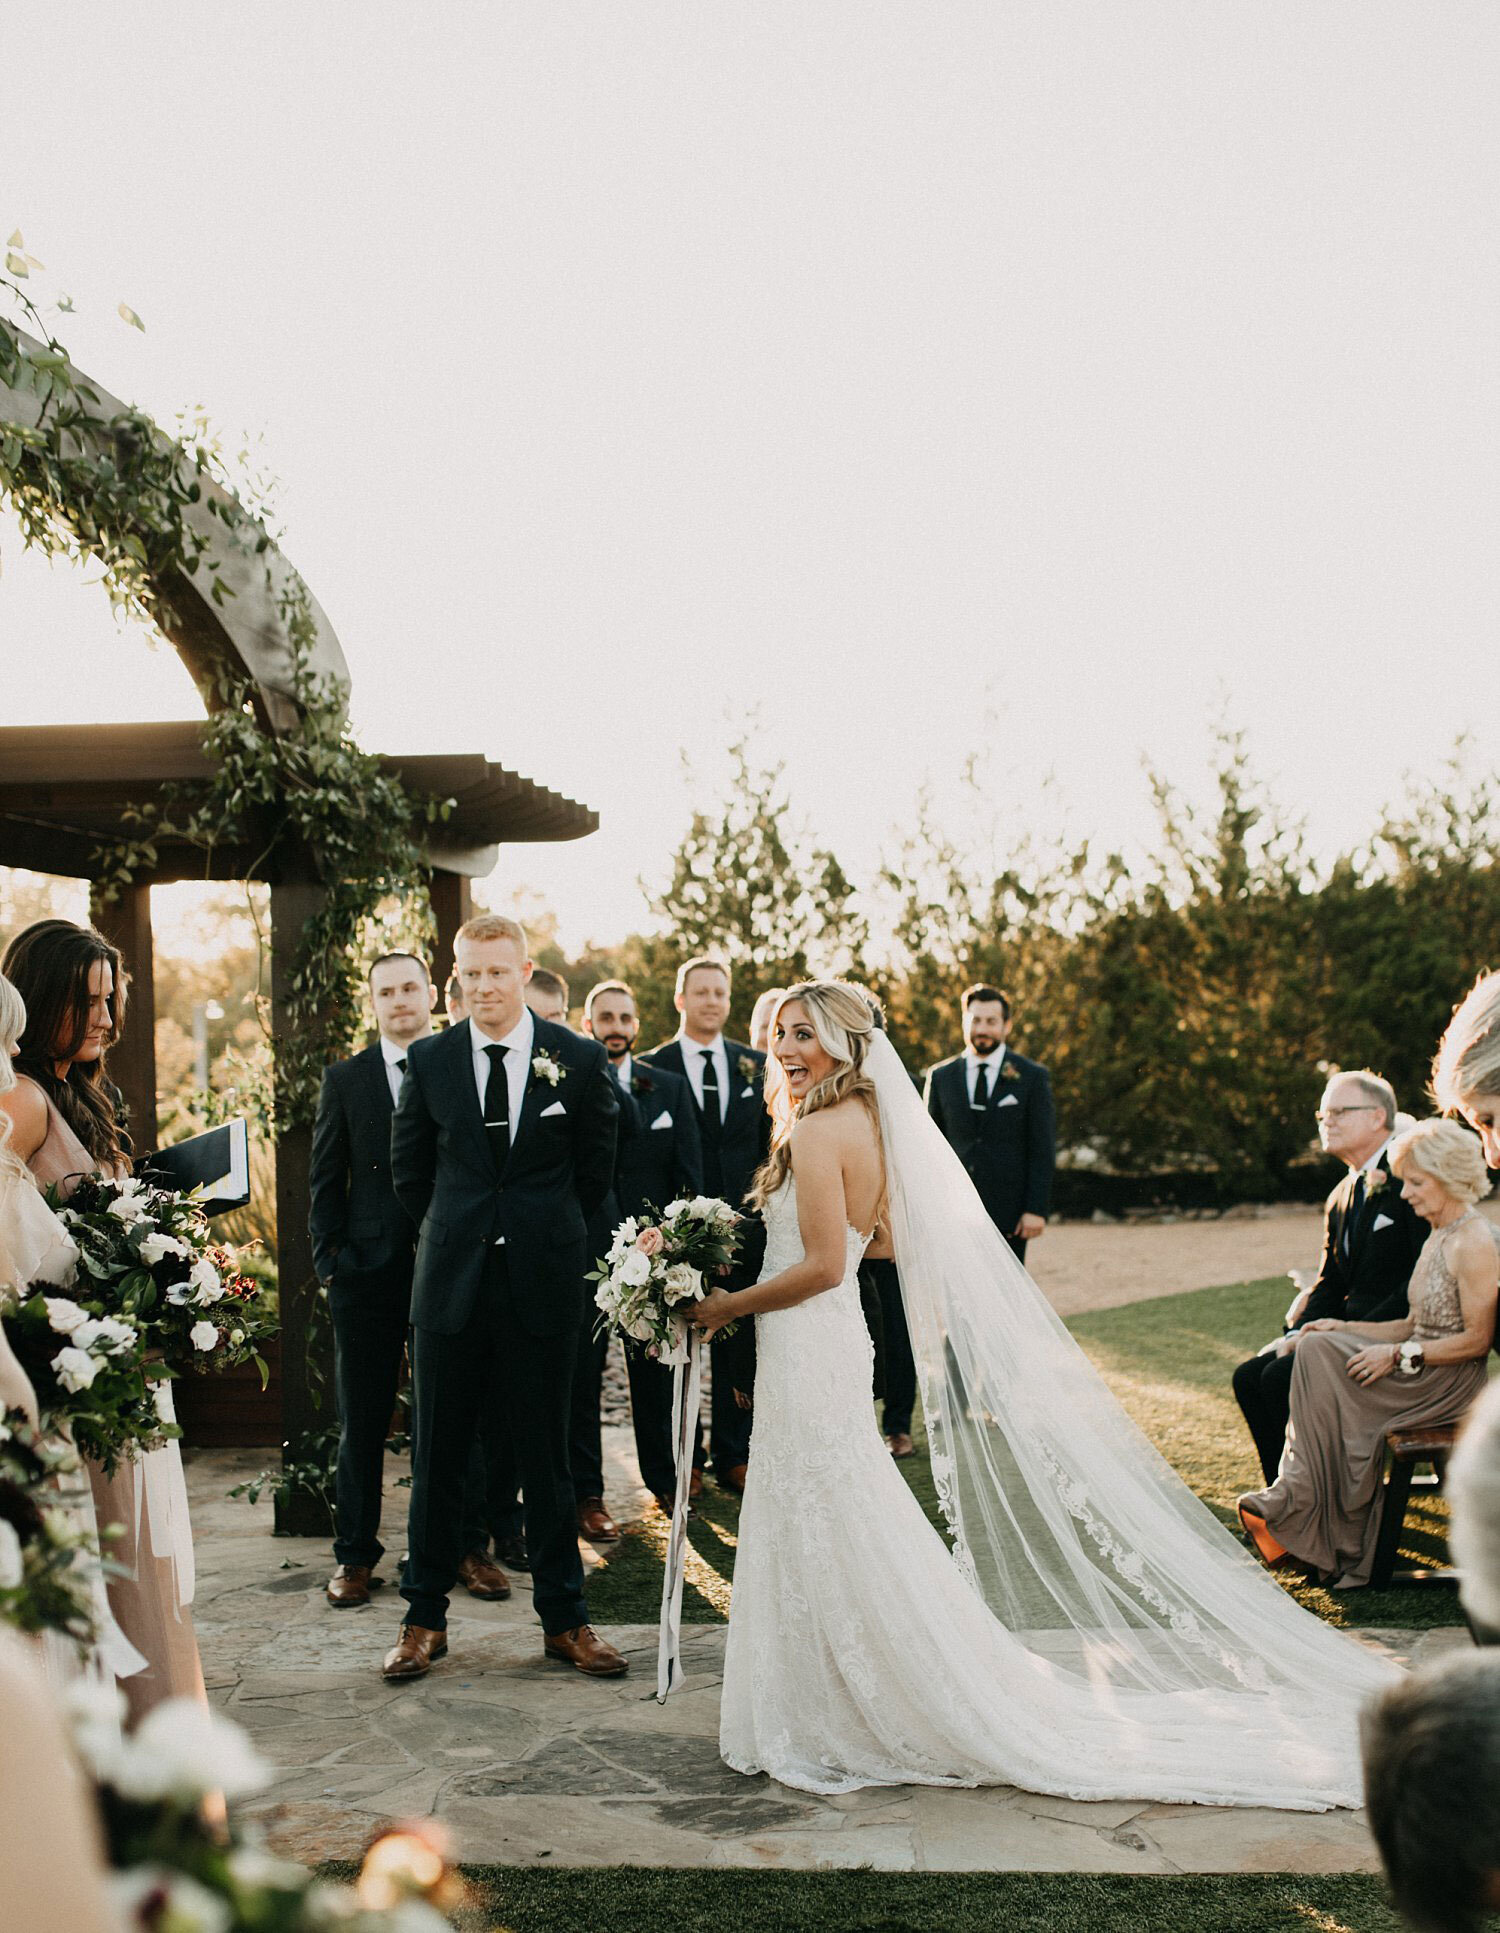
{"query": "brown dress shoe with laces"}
(734, 1478)
(349, 1585)
(695, 1485)
(595, 1522)
(414, 1653)
(482, 1577)
(585, 1650)
(901, 1445)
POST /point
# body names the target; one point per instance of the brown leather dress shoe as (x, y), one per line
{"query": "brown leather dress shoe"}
(415, 1652)
(734, 1478)
(349, 1585)
(695, 1485)
(585, 1650)
(595, 1522)
(901, 1445)
(482, 1577)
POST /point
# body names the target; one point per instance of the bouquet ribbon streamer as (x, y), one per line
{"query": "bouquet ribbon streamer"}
(687, 1376)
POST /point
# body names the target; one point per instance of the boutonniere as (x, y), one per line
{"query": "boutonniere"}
(640, 1084)
(749, 1069)
(545, 1068)
(1009, 1071)
(1375, 1181)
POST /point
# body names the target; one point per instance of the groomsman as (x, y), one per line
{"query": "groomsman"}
(725, 1078)
(995, 1108)
(659, 1159)
(502, 1146)
(1371, 1241)
(363, 1247)
(547, 996)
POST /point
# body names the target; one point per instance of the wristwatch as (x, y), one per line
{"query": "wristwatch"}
(1409, 1358)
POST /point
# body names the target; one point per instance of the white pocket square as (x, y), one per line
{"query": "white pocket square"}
(747, 1093)
(1009, 1101)
(663, 1120)
(1383, 1221)
(556, 1108)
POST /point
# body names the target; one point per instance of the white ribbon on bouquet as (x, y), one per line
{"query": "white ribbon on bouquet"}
(686, 1358)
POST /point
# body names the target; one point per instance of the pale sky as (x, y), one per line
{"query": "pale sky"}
(911, 375)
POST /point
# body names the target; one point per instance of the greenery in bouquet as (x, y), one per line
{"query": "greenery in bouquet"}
(173, 1871)
(48, 1558)
(658, 1267)
(146, 1256)
(90, 1373)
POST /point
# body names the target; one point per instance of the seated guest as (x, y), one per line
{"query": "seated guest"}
(1354, 1381)
(1371, 1240)
(1431, 1747)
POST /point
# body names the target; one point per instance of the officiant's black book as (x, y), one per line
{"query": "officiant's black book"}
(218, 1162)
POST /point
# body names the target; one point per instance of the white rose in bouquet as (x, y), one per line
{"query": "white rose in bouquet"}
(674, 1208)
(116, 1336)
(624, 1240)
(705, 1207)
(682, 1283)
(639, 1327)
(635, 1270)
(156, 1247)
(75, 1369)
(206, 1283)
(126, 1208)
(203, 1335)
(64, 1316)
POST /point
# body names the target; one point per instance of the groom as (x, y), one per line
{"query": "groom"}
(502, 1144)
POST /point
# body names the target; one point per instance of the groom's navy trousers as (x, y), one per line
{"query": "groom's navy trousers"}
(493, 1371)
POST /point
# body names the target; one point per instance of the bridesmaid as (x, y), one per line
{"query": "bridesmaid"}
(64, 1123)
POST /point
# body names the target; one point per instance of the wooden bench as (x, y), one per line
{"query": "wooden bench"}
(1404, 1450)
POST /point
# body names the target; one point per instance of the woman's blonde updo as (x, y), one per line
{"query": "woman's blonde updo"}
(1467, 1063)
(1446, 1154)
(844, 1022)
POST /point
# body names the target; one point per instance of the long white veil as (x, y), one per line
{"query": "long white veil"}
(1073, 1528)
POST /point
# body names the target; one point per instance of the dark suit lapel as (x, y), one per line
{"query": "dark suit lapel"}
(379, 1082)
(460, 1070)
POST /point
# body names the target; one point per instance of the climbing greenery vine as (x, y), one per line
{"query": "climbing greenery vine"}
(113, 488)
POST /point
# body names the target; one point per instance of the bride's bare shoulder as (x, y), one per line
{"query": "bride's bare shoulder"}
(846, 1127)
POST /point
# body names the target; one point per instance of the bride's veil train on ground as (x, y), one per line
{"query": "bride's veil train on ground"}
(1122, 1587)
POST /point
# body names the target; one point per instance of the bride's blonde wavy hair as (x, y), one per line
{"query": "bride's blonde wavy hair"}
(844, 1022)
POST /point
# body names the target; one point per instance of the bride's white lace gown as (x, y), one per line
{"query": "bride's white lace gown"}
(861, 1653)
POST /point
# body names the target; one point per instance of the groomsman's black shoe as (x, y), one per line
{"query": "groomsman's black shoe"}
(586, 1651)
(414, 1653)
(595, 1522)
(350, 1586)
(511, 1551)
(482, 1577)
(901, 1445)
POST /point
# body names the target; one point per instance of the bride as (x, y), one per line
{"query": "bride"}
(1094, 1632)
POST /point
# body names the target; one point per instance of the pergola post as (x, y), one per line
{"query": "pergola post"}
(452, 904)
(307, 1398)
(126, 922)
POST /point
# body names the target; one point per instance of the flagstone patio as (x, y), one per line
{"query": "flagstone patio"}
(530, 1763)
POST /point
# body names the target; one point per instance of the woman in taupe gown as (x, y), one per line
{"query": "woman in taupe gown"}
(1355, 1381)
(63, 1125)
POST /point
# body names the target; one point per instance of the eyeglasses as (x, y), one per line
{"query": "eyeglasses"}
(1333, 1113)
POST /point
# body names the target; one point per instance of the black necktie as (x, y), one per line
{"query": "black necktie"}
(981, 1098)
(1356, 1202)
(497, 1105)
(401, 1065)
(713, 1108)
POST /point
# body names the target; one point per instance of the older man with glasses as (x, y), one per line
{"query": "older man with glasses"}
(1371, 1240)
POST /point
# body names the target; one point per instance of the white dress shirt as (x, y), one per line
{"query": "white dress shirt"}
(994, 1061)
(692, 1057)
(622, 1070)
(518, 1046)
(394, 1053)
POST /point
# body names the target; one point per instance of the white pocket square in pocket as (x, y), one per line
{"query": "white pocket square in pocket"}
(556, 1108)
(663, 1120)
(1008, 1101)
(1383, 1221)
(747, 1093)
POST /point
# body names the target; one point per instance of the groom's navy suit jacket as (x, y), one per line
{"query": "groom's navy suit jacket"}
(1009, 1149)
(538, 1197)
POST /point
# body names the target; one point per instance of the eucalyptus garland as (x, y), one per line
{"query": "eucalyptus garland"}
(117, 490)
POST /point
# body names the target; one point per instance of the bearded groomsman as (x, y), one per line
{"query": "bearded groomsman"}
(502, 1146)
(995, 1108)
(363, 1248)
(725, 1078)
(659, 1160)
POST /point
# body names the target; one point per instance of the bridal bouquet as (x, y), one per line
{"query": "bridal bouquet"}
(146, 1257)
(656, 1271)
(89, 1372)
(47, 1555)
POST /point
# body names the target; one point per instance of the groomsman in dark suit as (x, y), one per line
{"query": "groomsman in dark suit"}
(1371, 1241)
(659, 1159)
(502, 1146)
(725, 1078)
(363, 1247)
(995, 1108)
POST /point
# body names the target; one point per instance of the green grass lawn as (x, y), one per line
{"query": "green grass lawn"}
(623, 1899)
(1169, 1361)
